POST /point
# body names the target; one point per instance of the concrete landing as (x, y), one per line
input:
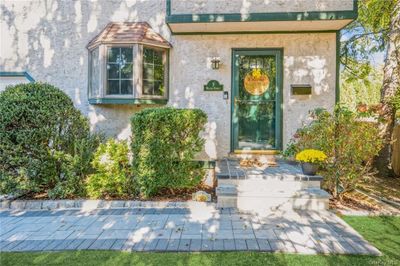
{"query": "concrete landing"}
(261, 188)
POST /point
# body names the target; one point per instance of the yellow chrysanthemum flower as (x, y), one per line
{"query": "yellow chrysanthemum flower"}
(311, 156)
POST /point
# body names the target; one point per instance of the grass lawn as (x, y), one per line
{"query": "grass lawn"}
(383, 232)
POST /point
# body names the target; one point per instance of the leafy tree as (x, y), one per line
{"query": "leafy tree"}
(377, 29)
(356, 91)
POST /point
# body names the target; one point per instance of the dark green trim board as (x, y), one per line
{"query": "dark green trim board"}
(337, 83)
(17, 74)
(127, 101)
(278, 53)
(275, 16)
(282, 16)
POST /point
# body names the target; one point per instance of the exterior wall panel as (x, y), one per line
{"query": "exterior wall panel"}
(50, 44)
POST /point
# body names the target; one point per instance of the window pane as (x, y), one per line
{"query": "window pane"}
(158, 88)
(147, 87)
(148, 72)
(126, 71)
(126, 87)
(113, 71)
(119, 70)
(113, 87)
(113, 54)
(126, 54)
(94, 75)
(147, 55)
(153, 72)
(159, 73)
(158, 57)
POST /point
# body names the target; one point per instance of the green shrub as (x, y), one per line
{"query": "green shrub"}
(349, 143)
(40, 135)
(164, 143)
(113, 177)
(75, 167)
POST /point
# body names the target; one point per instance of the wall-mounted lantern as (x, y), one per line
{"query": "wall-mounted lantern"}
(215, 62)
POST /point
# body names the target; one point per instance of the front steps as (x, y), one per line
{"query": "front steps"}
(264, 189)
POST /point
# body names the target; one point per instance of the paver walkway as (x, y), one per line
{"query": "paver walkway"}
(200, 227)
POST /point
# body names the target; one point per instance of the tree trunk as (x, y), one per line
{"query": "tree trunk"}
(391, 83)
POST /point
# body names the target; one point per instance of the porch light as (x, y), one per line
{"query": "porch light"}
(215, 61)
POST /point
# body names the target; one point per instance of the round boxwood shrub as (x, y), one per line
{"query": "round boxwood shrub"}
(164, 143)
(39, 131)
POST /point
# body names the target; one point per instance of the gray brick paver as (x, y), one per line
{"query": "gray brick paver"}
(85, 244)
(252, 244)
(118, 244)
(74, 244)
(207, 245)
(151, 245)
(64, 244)
(11, 245)
(162, 245)
(240, 244)
(53, 245)
(184, 245)
(22, 246)
(218, 245)
(195, 245)
(128, 245)
(97, 244)
(107, 244)
(4, 243)
(41, 245)
(173, 245)
(229, 244)
(264, 245)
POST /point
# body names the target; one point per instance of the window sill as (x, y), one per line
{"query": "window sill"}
(128, 101)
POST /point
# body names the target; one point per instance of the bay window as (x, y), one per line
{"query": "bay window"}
(132, 72)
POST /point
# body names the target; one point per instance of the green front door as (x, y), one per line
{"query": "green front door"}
(256, 99)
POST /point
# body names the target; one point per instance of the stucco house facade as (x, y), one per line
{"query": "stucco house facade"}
(256, 67)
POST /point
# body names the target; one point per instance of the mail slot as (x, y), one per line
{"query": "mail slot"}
(301, 89)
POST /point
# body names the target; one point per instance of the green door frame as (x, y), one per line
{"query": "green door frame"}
(278, 53)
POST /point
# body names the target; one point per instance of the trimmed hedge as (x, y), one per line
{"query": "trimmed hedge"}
(164, 143)
(45, 142)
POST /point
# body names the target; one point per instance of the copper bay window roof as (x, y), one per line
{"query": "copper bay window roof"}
(128, 32)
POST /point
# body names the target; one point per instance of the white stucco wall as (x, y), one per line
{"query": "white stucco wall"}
(50, 44)
(256, 6)
(308, 59)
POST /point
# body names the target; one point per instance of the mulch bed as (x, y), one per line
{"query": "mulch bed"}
(164, 195)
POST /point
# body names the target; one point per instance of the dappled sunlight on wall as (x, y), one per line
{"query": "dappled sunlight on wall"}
(210, 135)
(314, 70)
(114, 120)
(189, 96)
(50, 43)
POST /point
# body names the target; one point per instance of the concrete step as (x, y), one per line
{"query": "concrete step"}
(275, 183)
(259, 201)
